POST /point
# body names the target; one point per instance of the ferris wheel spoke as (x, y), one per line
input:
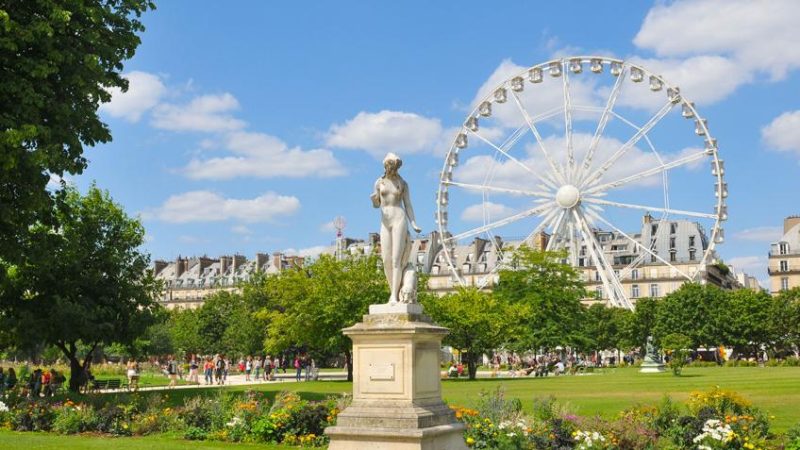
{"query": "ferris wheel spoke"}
(515, 160)
(531, 124)
(568, 123)
(486, 187)
(604, 270)
(676, 212)
(573, 244)
(510, 219)
(641, 132)
(647, 173)
(601, 124)
(556, 229)
(642, 247)
(548, 218)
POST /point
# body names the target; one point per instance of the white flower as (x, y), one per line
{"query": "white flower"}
(234, 422)
(3, 407)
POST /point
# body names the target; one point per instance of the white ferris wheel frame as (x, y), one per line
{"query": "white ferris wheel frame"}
(562, 182)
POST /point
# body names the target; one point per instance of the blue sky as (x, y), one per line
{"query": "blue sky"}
(250, 127)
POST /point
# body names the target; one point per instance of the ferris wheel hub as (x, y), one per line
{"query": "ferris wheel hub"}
(568, 196)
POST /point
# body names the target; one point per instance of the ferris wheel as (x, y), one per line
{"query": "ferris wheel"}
(578, 150)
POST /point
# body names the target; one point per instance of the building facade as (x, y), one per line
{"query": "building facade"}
(188, 281)
(784, 258)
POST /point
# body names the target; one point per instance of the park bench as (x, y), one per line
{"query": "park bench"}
(111, 384)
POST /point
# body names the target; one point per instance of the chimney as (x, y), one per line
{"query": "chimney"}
(790, 222)
(261, 260)
(277, 257)
(238, 260)
(224, 263)
(647, 218)
(179, 267)
(158, 266)
(205, 261)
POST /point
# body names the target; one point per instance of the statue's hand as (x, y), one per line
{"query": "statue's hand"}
(416, 227)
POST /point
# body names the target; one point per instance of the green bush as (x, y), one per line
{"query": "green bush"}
(71, 419)
(195, 434)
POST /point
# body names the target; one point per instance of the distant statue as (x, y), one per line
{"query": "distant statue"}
(651, 353)
(392, 197)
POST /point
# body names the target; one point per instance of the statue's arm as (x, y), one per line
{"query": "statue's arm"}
(376, 195)
(409, 209)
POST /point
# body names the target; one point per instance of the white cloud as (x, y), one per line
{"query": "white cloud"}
(783, 133)
(536, 98)
(241, 230)
(760, 234)
(327, 227)
(760, 36)
(748, 264)
(310, 252)
(712, 47)
(508, 174)
(144, 92)
(206, 206)
(206, 113)
(263, 156)
(387, 131)
(487, 210)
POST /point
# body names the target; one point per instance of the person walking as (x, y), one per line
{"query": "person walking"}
(257, 363)
(298, 367)
(268, 368)
(208, 370)
(248, 368)
(193, 367)
(219, 367)
(172, 370)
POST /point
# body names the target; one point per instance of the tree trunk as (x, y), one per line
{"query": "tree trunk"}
(348, 362)
(77, 371)
(472, 365)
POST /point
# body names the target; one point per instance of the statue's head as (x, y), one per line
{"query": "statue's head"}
(392, 163)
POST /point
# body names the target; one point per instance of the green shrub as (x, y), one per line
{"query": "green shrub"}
(71, 419)
(195, 434)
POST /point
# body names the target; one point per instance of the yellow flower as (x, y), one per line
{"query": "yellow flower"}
(470, 441)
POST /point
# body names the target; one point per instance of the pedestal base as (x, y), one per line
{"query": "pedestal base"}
(397, 401)
(650, 366)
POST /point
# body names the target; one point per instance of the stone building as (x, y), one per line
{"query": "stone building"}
(784, 258)
(188, 281)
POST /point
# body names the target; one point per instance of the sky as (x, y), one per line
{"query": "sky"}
(247, 128)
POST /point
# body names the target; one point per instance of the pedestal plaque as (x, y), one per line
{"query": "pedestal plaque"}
(397, 399)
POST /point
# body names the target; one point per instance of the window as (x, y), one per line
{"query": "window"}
(653, 258)
(597, 275)
(598, 292)
(673, 228)
(421, 257)
(785, 283)
(635, 275)
(653, 290)
(635, 291)
(692, 255)
(581, 262)
(672, 242)
(469, 257)
(654, 228)
(784, 266)
(465, 268)
(691, 241)
(784, 248)
(435, 270)
(673, 256)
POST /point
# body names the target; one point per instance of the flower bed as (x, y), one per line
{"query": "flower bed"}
(222, 417)
(710, 420)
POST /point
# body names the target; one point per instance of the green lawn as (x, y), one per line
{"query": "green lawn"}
(774, 389)
(36, 441)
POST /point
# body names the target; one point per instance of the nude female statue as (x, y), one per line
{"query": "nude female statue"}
(392, 197)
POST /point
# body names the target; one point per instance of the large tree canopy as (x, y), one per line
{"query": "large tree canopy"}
(83, 281)
(58, 60)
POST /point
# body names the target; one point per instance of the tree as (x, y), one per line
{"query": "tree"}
(478, 322)
(747, 325)
(311, 305)
(643, 322)
(678, 346)
(693, 310)
(58, 61)
(784, 321)
(550, 293)
(84, 281)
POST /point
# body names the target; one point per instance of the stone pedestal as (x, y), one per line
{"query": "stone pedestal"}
(397, 398)
(649, 365)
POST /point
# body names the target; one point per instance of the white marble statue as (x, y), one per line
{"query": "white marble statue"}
(392, 197)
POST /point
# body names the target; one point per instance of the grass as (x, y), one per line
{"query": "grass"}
(35, 441)
(776, 390)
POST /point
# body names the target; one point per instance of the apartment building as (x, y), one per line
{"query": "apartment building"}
(784, 258)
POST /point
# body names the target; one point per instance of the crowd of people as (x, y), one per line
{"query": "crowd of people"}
(215, 368)
(40, 382)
